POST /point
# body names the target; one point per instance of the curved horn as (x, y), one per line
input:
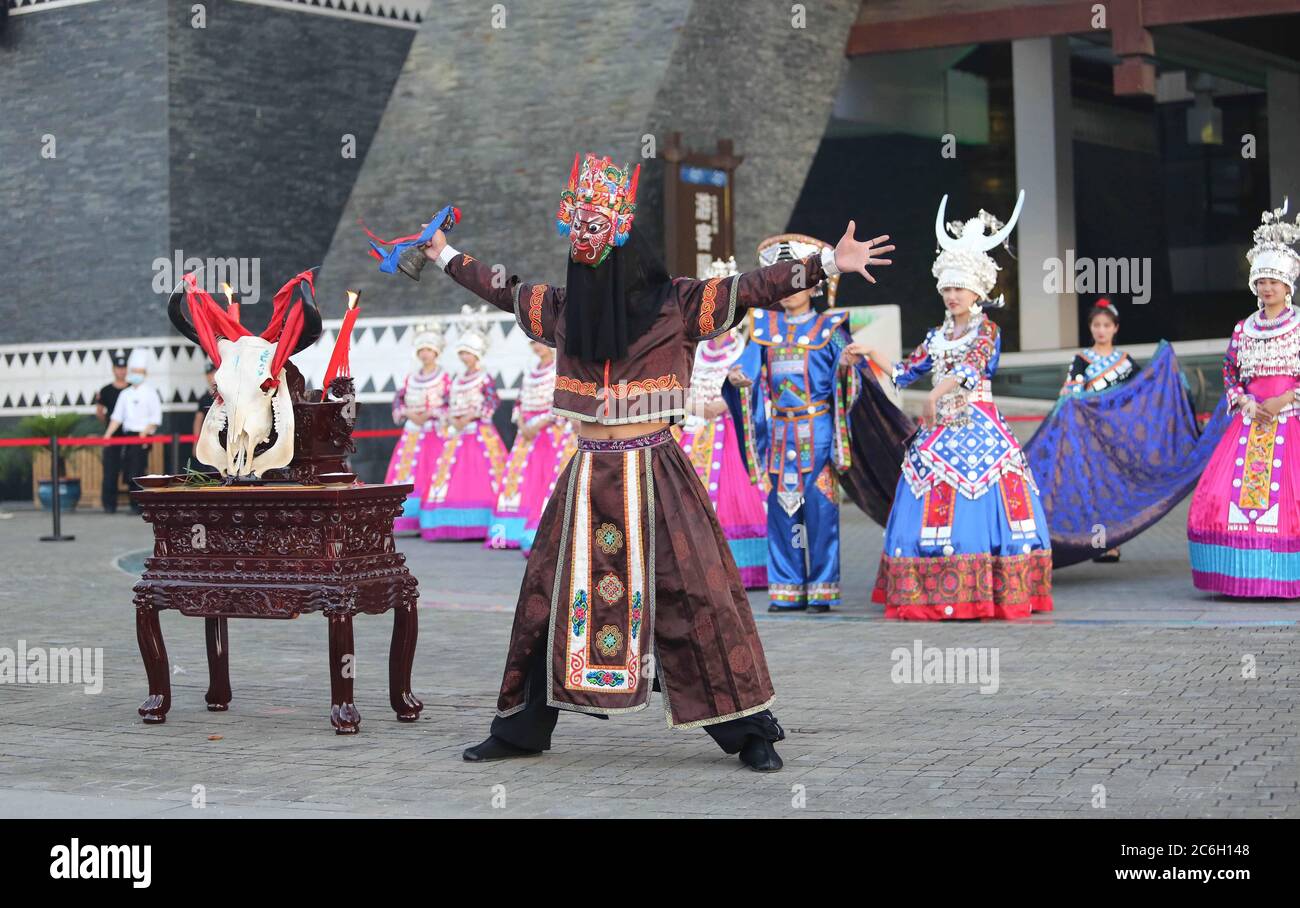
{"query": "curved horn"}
(177, 317)
(311, 320)
(946, 242)
(997, 239)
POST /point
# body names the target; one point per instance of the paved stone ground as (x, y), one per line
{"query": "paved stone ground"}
(1134, 683)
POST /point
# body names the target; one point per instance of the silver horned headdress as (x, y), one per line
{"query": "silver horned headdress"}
(964, 247)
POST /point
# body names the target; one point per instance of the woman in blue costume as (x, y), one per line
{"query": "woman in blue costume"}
(1099, 367)
(967, 536)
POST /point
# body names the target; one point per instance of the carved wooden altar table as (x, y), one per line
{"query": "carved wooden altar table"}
(276, 551)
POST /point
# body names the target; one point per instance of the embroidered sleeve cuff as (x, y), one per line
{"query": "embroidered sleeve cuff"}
(444, 258)
(828, 262)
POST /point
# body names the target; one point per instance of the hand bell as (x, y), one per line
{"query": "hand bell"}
(412, 261)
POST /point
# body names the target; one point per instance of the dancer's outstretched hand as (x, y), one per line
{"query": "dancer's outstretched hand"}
(850, 255)
(434, 247)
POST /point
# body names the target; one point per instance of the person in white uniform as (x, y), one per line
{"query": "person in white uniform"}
(138, 411)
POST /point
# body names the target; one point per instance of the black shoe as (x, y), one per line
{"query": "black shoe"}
(759, 755)
(819, 608)
(495, 749)
(1110, 557)
(787, 608)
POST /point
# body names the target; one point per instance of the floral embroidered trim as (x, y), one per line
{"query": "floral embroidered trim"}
(625, 444)
(574, 386)
(535, 308)
(605, 678)
(708, 304)
(621, 390)
(578, 612)
(958, 579)
(636, 614)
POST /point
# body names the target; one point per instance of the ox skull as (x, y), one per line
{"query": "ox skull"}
(250, 416)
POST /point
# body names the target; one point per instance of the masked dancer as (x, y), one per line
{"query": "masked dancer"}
(631, 582)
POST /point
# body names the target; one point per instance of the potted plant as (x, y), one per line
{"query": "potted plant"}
(17, 463)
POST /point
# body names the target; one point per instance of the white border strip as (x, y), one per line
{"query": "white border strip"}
(370, 18)
(48, 4)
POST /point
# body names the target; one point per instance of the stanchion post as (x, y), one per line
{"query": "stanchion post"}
(176, 452)
(57, 482)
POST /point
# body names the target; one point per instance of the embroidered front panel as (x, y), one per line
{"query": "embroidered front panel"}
(1019, 507)
(826, 484)
(937, 511)
(510, 497)
(970, 457)
(496, 452)
(406, 459)
(442, 472)
(587, 647)
(702, 451)
(1256, 476)
(776, 446)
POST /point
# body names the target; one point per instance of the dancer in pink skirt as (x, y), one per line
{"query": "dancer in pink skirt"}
(542, 448)
(420, 407)
(710, 439)
(1243, 528)
(466, 480)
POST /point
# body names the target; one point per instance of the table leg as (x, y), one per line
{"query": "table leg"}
(343, 713)
(400, 656)
(148, 633)
(218, 695)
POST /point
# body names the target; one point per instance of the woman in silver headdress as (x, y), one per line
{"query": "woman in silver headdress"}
(966, 537)
(1243, 527)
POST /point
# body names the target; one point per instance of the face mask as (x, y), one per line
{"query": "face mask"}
(135, 378)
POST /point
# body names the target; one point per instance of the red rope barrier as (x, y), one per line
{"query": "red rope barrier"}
(97, 441)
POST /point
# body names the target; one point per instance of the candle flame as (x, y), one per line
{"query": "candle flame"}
(353, 296)
(230, 294)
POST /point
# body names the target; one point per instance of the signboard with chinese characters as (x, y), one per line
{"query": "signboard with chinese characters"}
(698, 207)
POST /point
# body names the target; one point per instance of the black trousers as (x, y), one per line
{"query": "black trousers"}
(112, 470)
(532, 726)
(128, 460)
